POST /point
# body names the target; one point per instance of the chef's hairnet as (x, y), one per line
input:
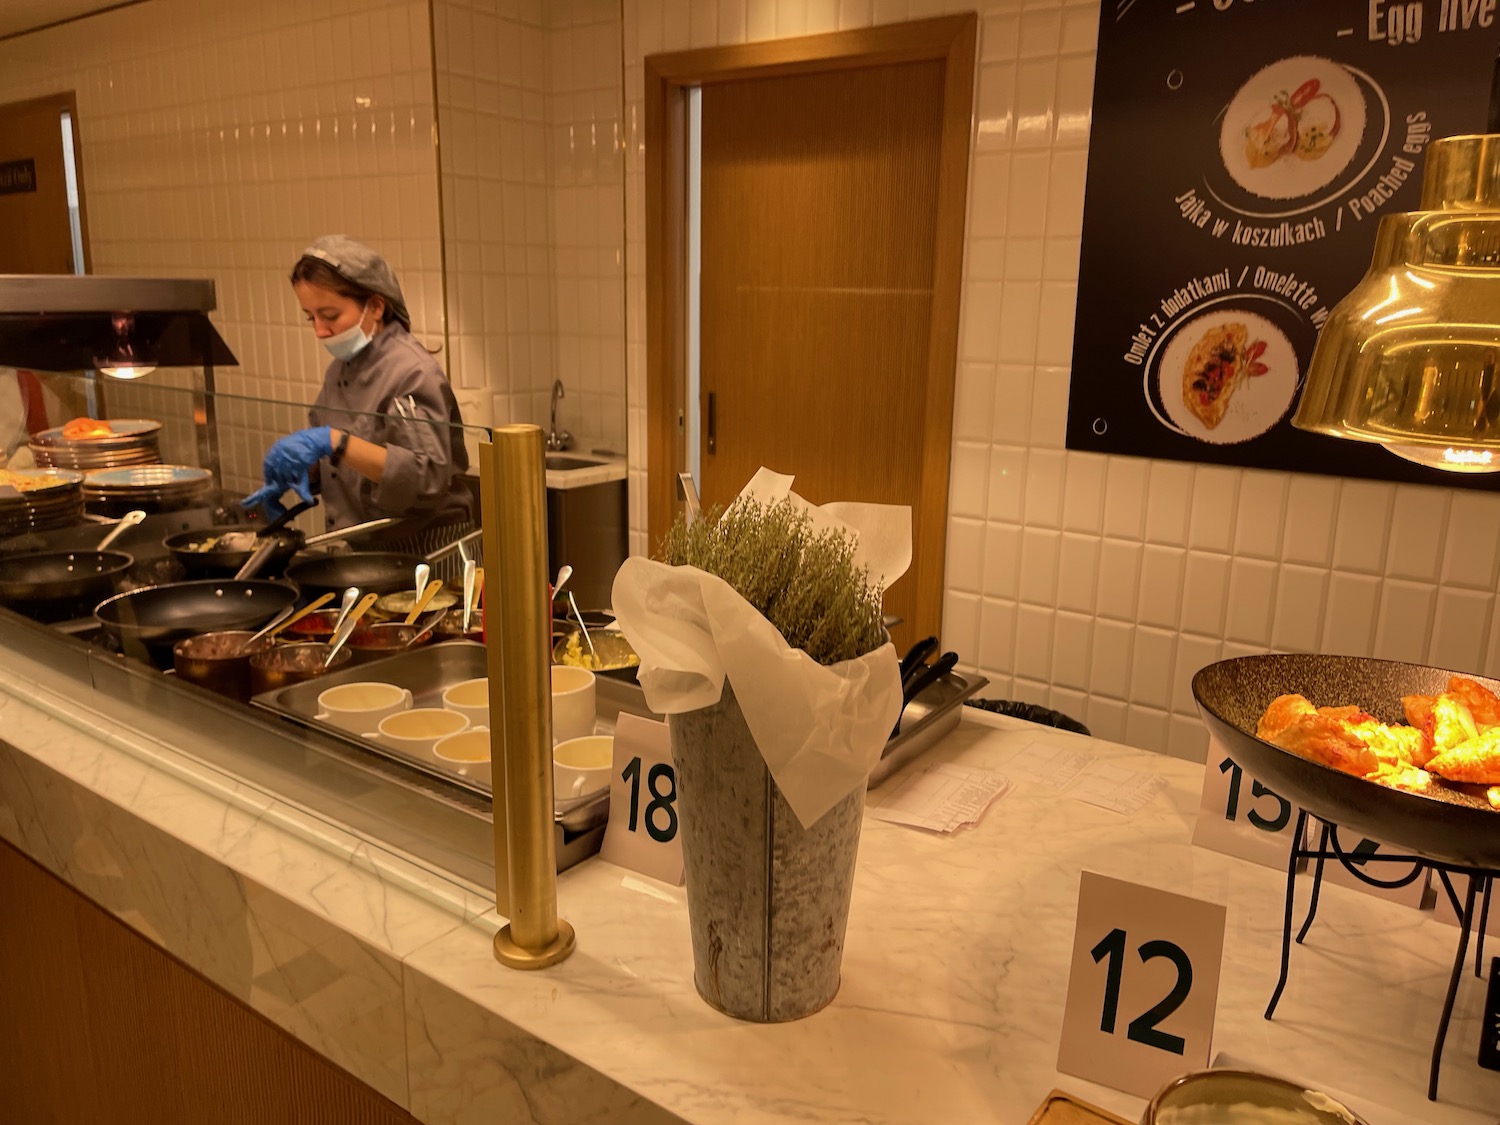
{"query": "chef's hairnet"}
(356, 262)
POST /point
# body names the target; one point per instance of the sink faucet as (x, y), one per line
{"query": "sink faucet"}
(557, 440)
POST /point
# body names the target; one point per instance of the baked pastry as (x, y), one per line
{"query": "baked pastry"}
(1476, 761)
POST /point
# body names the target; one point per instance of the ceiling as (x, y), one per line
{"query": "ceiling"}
(17, 16)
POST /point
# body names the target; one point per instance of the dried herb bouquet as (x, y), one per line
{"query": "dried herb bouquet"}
(802, 580)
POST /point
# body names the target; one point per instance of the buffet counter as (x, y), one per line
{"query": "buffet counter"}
(954, 973)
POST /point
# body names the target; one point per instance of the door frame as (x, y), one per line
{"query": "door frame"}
(950, 39)
(66, 100)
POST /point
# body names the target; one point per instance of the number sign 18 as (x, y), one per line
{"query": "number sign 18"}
(642, 832)
(1143, 985)
(661, 802)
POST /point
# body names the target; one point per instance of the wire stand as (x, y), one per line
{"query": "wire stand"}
(1477, 897)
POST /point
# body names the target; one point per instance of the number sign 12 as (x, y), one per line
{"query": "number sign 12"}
(1143, 986)
(643, 819)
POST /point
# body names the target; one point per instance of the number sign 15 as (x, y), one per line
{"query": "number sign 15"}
(1240, 816)
(642, 831)
(1143, 986)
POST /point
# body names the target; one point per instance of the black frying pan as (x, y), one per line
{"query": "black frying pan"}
(384, 572)
(226, 564)
(163, 615)
(57, 585)
(219, 563)
(1455, 825)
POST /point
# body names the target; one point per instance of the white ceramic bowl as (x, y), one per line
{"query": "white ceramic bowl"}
(471, 699)
(417, 731)
(466, 753)
(572, 703)
(359, 707)
(582, 765)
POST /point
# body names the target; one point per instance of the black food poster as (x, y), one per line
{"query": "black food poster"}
(1241, 156)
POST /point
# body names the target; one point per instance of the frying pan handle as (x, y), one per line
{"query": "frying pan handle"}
(347, 532)
(444, 552)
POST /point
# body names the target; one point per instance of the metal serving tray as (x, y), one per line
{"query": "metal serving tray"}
(427, 672)
(935, 711)
(927, 718)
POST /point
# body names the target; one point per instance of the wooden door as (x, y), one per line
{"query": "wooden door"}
(833, 174)
(819, 222)
(35, 229)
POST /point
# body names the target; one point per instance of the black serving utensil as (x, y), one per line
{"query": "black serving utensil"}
(914, 657)
(925, 676)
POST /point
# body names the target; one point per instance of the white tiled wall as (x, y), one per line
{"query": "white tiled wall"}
(218, 139)
(1099, 585)
(529, 102)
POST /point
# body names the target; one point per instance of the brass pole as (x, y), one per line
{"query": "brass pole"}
(536, 937)
(491, 516)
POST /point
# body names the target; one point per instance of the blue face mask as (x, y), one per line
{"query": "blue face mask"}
(351, 341)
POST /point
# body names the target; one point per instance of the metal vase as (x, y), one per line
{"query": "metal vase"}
(768, 900)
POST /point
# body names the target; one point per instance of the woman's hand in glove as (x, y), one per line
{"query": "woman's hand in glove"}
(286, 466)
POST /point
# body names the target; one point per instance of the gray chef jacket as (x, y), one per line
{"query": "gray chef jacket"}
(424, 453)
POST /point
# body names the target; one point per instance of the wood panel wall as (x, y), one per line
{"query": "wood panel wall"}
(98, 1025)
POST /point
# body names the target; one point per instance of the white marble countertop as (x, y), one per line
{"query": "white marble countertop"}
(954, 972)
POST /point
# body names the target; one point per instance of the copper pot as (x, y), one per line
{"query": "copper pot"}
(451, 627)
(314, 627)
(283, 665)
(373, 642)
(219, 661)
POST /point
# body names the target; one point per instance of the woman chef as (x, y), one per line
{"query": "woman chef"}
(384, 439)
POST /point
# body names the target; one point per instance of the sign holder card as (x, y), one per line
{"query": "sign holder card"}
(642, 833)
(1239, 816)
(1143, 986)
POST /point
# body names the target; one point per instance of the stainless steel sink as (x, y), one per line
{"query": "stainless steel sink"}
(566, 461)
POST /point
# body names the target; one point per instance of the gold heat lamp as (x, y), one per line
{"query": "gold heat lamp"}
(1409, 358)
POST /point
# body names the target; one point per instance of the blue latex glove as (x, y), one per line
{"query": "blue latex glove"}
(286, 467)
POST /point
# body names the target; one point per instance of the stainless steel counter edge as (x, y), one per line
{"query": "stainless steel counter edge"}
(441, 827)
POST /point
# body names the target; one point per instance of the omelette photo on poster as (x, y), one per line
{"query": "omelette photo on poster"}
(1241, 157)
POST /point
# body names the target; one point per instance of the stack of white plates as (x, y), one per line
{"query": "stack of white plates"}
(152, 488)
(39, 499)
(132, 441)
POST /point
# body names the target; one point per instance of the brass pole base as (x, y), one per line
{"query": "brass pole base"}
(508, 953)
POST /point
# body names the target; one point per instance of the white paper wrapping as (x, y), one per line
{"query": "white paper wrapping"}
(820, 729)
